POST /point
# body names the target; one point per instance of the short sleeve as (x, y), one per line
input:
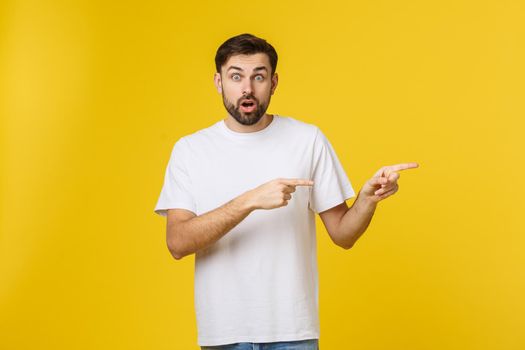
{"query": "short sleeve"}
(331, 184)
(176, 190)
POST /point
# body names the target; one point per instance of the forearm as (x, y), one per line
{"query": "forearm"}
(201, 231)
(356, 220)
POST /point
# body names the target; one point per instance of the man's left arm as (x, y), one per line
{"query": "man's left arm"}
(345, 225)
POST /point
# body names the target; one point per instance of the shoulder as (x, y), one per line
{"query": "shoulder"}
(311, 132)
(197, 138)
(299, 126)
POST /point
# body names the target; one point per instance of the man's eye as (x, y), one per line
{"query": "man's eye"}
(234, 76)
(259, 76)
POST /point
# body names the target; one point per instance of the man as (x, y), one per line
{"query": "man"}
(242, 195)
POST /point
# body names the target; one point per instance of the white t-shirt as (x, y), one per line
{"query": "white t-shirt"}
(257, 283)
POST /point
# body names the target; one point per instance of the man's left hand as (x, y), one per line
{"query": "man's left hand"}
(384, 182)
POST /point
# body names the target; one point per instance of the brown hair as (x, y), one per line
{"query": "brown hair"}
(244, 44)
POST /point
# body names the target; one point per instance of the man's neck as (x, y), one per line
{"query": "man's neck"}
(238, 127)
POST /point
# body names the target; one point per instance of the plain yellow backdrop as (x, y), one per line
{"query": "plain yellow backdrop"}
(95, 93)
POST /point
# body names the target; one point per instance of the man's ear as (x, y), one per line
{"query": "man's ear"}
(275, 80)
(218, 82)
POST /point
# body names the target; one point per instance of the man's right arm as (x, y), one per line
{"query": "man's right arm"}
(187, 233)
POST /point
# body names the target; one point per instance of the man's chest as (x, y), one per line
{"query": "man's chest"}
(222, 173)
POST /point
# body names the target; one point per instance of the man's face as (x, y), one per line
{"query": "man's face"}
(246, 86)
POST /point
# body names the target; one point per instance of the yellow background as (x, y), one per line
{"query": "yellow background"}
(94, 94)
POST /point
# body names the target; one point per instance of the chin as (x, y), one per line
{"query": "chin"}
(250, 121)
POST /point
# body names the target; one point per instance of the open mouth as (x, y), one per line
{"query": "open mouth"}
(248, 106)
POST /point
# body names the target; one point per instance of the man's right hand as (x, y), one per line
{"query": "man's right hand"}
(275, 193)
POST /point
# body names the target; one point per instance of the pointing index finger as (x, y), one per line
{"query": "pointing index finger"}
(403, 166)
(297, 182)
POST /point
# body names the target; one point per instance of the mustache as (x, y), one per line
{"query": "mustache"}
(247, 97)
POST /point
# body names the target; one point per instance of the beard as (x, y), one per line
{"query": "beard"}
(243, 118)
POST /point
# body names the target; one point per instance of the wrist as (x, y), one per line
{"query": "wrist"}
(246, 201)
(366, 200)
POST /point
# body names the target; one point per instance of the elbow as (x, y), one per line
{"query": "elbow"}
(176, 256)
(174, 251)
(174, 243)
(346, 246)
(347, 242)
(343, 243)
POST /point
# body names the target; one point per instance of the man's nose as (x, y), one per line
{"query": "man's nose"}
(247, 88)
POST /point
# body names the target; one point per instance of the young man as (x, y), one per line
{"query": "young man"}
(242, 195)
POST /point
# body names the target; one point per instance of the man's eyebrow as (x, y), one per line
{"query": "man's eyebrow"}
(255, 69)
